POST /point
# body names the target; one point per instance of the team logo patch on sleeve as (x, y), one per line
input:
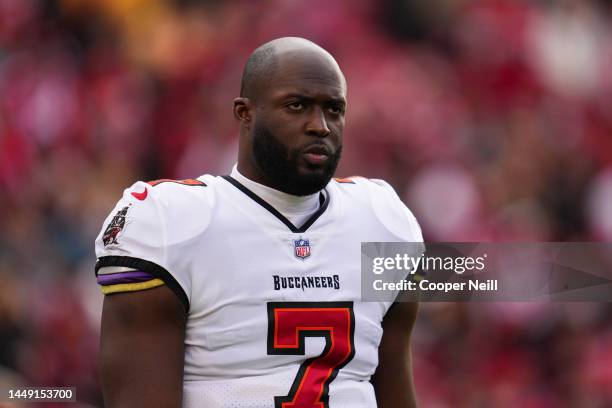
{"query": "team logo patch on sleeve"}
(302, 248)
(114, 228)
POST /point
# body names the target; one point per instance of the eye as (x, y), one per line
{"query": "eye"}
(295, 105)
(336, 109)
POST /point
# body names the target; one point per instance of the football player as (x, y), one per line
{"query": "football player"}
(243, 290)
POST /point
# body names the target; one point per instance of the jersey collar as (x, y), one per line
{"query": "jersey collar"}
(323, 204)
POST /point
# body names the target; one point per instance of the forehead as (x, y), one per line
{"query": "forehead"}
(306, 74)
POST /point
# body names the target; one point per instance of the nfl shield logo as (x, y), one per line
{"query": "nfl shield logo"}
(302, 248)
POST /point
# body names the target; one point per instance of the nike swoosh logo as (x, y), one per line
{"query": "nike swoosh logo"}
(140, 196)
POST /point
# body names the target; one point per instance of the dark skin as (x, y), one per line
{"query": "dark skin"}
(142, 349)
(302, 102)
(143, 333)
(392, 380)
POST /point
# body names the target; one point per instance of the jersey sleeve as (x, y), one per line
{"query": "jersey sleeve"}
(399, 220)
(132, 247)
(393, 213)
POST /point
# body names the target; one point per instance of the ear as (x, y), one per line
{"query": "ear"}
(243, 109)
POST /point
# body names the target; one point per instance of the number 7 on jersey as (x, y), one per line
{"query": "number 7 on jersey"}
(289, 323)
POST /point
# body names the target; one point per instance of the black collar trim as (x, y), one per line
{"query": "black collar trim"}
(323, 204)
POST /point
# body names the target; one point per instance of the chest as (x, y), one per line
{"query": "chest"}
(256, 285)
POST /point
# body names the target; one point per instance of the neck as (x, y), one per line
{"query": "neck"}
(252, 174)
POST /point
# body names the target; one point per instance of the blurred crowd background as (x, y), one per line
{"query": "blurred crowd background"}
(491, 118)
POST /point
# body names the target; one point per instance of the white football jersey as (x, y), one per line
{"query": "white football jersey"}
(274, 311)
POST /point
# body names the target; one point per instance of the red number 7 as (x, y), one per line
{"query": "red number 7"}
(289, 323)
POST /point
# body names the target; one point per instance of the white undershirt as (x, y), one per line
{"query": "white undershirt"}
(296, 209)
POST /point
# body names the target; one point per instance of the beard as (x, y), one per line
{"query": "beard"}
(280, 167)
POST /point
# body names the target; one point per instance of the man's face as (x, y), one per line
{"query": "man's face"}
(298, 125)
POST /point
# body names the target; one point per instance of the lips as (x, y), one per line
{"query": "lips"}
(316, 154)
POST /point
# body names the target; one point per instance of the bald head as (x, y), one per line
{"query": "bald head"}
(268, 59)
(291, 111)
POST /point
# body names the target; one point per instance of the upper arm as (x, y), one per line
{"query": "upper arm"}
(147, 298)
(142, 349)
(392, 380)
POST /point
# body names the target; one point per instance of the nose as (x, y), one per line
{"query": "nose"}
(317, 125)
